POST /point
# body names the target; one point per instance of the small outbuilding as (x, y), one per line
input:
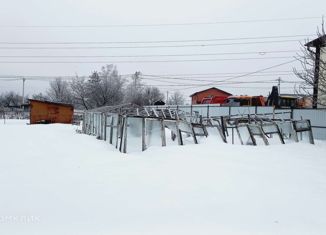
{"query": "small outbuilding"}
(50, 112)
(159, 102)
(197, 97)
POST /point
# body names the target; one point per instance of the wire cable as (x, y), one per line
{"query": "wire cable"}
(265, 20)
(140, 61)
(152, 46)
(261, 53)
(153, 42)
(243, 75)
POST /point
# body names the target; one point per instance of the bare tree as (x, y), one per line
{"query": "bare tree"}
(10, 99)
(134, 90)
(177, 98)
(307, 58)
(40, 96)
(59, 91)
(105, 87)
(151, 95)
(80, 93)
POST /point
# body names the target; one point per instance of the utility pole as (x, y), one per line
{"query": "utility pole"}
(317, 44)
(316, 78)
(136, 78)
(279, 85)
(23, 98)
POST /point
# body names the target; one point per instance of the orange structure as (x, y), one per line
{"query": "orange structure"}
(198, 97)
(244, 100)
(50, 112)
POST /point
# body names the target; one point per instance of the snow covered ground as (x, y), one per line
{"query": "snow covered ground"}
(55, 181)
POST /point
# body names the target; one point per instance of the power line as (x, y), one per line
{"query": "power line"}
(258, 87)
(261, 70)
(262, 53)
(199, 78)
(216, 81)
(275, 72)
(159, 41)
(46, 79)
(174, 84)
(140, 61)
(217, 73)
(244, 75)
(152, 46)
(222, 82)
(266, 20)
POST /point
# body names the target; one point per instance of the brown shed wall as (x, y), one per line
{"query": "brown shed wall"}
(197, 98)
(50, 112)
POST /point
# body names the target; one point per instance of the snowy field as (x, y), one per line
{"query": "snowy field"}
(55, 181)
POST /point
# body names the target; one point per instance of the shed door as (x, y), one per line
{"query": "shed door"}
(53, 113)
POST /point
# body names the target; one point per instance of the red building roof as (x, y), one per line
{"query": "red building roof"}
(198, 97)
(219, 90)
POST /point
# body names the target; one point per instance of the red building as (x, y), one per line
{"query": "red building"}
(197, 97)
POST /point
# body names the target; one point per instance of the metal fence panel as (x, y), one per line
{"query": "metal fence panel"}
(218, 111)
(264, 110)
(283, 113)
(242, 110)
(134, 134)
(200, 110)
(317, 118)
(106, 126)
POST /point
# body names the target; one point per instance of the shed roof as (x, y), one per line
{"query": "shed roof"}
(227, 93)
(321, 41)
(294, 95)
(49, 102)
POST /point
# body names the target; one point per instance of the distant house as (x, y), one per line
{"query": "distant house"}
(295, 101)
(50, 112)
(197, 97)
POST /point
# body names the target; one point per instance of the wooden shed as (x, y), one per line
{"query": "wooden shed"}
(50, 112)
(197, 97)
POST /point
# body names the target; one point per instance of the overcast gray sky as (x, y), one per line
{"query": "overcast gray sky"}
(71, 21)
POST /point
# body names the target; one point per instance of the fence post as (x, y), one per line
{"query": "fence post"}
(163, 133)
(143, 134)
(125, 131)
(83, 127)
(105, 122)
(273, 112)
(119, 123)
(111, 130)
(179, 135)
(101, 126)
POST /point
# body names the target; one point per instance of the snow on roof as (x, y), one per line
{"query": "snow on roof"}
(50, 102)
(115, 108)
